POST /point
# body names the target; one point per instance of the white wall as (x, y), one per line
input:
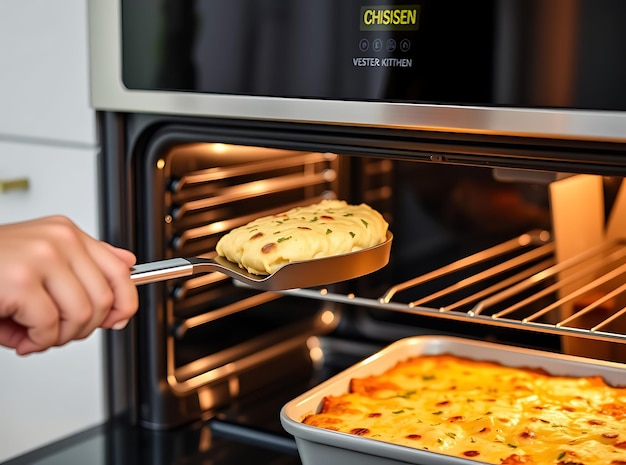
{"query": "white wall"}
(48, 135)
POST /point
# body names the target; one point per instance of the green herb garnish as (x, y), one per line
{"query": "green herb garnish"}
(281, 239)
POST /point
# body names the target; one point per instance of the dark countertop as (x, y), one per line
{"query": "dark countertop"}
(213, 442)
(248, 431)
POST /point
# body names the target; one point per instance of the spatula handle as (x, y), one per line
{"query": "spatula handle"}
(161, 270)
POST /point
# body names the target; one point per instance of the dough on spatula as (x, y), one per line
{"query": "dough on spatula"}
(331, 227)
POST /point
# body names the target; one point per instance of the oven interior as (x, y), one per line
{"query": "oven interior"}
(526, 257)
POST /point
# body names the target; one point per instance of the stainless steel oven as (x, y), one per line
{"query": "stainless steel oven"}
(491, 136)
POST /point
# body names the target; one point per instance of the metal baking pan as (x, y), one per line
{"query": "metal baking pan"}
(318, 446)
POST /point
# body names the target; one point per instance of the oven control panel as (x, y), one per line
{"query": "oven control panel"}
(492, 53)
(350, 50)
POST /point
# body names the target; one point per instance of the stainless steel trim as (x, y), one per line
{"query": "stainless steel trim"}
(109, 93)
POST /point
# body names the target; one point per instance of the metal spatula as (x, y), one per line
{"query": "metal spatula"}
(307, 273)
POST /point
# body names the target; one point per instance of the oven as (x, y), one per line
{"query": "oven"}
(491, 137)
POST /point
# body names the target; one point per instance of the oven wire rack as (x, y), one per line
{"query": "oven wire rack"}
(518, 284)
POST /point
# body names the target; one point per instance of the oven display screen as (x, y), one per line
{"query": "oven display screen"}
(521, 53)
(402, 50)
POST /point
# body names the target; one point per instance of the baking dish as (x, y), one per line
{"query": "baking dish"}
(318, 446)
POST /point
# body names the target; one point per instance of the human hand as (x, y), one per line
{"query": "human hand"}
(58, 284)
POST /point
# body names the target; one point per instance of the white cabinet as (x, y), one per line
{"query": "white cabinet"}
(46, 397)
(44, 84)
(48, 136)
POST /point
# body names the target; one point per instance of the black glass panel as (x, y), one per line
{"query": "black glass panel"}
(532, 53)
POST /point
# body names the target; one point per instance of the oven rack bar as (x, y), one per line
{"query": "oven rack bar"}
(211, 175)
(254, 188)
(526, 288)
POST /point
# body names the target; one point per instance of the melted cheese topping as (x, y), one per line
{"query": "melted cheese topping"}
(331, 227)
(484, 411)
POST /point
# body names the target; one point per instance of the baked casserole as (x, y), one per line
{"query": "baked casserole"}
(484, 411)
